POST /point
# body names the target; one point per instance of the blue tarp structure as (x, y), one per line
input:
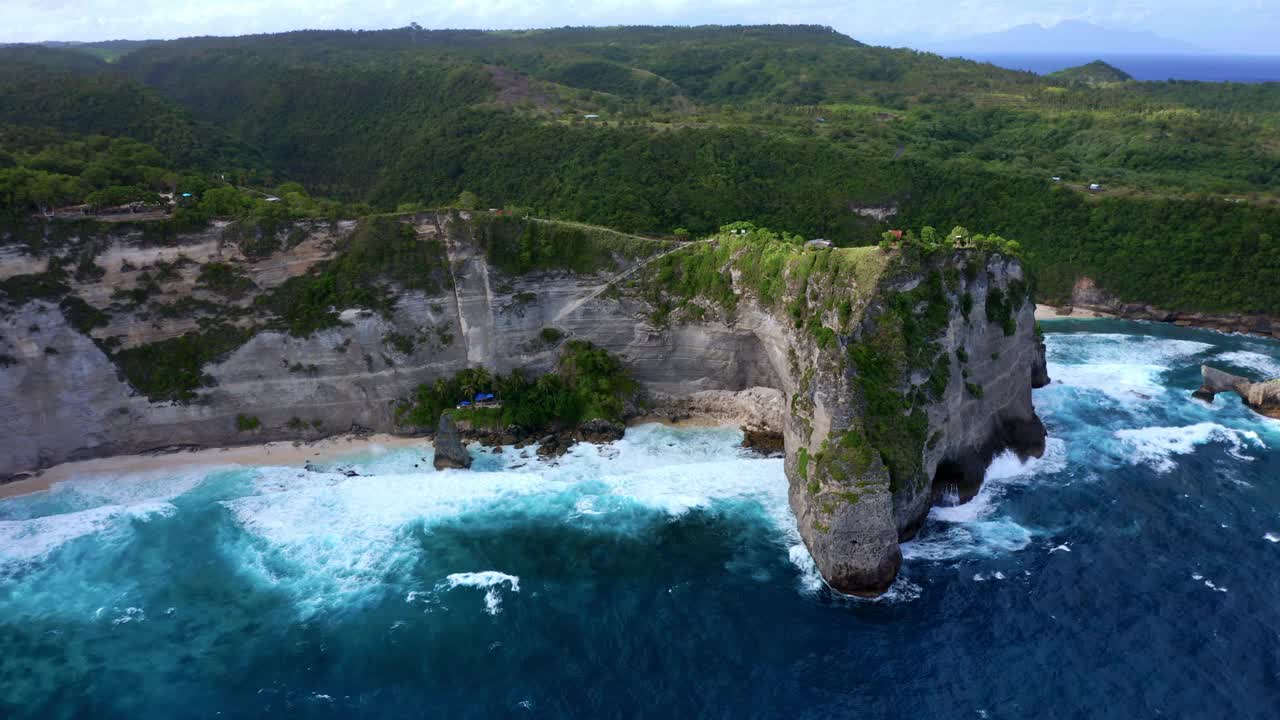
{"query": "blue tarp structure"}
(465, 403)
(481, 397)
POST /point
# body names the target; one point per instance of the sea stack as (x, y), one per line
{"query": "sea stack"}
(450, 452)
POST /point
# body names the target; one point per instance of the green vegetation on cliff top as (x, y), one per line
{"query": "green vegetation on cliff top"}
(795, 127)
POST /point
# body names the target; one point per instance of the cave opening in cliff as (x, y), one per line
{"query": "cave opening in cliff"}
(947, 481)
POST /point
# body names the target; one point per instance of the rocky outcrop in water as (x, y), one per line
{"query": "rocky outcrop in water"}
(891, 376)
(1261, 397)
(450, 453)
(599, 431)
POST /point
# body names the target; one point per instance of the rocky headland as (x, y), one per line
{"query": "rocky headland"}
(892, 374)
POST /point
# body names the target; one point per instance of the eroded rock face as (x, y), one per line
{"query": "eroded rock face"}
(450, 453)
(891, 381)
(873, 436)
(763, 441)
(1261, 397)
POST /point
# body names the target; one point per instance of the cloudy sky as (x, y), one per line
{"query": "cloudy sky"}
(1225, 25)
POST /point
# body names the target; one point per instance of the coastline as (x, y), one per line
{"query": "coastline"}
(281, 453)
(1054, 312)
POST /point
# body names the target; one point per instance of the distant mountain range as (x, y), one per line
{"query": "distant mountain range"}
(1070, 37)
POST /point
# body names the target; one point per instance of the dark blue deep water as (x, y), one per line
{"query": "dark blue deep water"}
(1206, 68)
(1132, 572)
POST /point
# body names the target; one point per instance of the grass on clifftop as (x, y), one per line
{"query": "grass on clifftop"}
(517, 245)
(771, 266)
(825, 291)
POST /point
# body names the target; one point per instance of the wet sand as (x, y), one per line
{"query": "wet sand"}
(293, 454)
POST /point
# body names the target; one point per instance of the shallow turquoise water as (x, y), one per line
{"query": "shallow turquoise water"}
(1131, 572)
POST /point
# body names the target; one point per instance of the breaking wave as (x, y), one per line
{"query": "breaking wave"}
(1266, 366)
(1158, 447)
(330, 538)
(1124, 367)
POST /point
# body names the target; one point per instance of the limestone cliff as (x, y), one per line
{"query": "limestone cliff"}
(899, 373)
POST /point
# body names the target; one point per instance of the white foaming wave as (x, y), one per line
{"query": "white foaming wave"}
(482, 579)
(131, 489)
(983, 538)
(1119, 348)
(1008, 466)
(1272, 537)
(1124, 367)
(1157, 446)
(488, 580)
(1006, 470)
(1123, 382)
(678, 489)
(25, 541)
(645, 447)
(1268, 366)
(970, 529)
(329, 538)
(811, 581)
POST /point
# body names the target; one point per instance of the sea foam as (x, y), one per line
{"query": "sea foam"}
(1127, 368)
(23, 542)
(1157, 446)
(329, 538)
(972, 529)
(1265, 365)
(1006, 470)
(488, 580)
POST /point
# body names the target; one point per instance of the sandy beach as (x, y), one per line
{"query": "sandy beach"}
(284, 453)
(275, 453)
(1053, 312)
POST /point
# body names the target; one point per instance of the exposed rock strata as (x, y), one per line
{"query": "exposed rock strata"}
(1261, 397)
(853, 509)
(801, 353)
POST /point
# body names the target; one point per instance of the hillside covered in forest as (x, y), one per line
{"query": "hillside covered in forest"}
(665, 130)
